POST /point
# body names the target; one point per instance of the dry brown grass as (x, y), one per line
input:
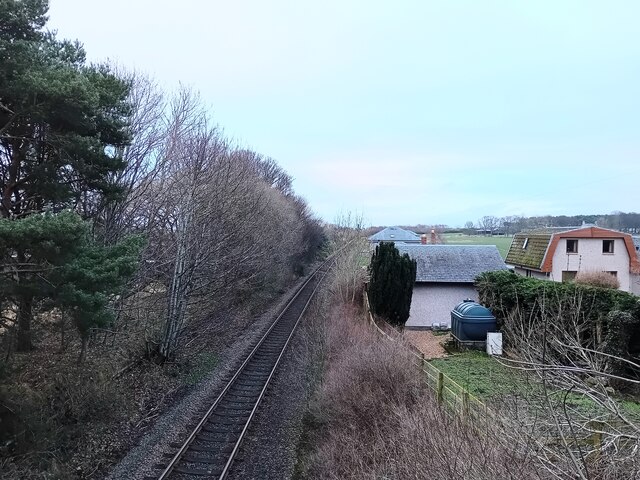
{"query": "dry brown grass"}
(59, 420)
(597, 279)
(375, 418)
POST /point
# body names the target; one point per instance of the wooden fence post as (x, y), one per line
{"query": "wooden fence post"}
(465, 404)
(440, 388)
(596, 437)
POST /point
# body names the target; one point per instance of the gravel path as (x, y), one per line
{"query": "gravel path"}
(427, 342)
(173, 426)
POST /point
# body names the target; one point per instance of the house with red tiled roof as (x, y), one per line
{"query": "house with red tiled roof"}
(559, 254)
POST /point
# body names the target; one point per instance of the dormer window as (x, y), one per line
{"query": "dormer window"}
(607, 246)
(572, 246)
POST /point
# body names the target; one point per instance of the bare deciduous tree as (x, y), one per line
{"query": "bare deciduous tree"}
(223, 223)
(584, 430)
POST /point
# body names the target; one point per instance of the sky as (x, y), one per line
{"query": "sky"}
(404, 112)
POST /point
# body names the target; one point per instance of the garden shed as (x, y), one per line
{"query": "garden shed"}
(445, 276)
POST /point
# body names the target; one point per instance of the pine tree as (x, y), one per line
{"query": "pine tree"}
(62, 126)
(391, 283)
(63, 267)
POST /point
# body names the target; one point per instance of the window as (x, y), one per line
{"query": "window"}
(607, 246)
(568, 275)
(526, 242)
(572, 246)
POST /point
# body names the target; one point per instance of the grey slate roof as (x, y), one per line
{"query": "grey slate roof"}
(453, 263)
(395, 234)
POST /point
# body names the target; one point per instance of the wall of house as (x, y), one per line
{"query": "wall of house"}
(635, 284)
(433, 302)
(525, 272)
(590, 257)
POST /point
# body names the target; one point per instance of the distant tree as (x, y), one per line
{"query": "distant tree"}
(469, 228)
(391, 284)
(509, 223)
(488, 223)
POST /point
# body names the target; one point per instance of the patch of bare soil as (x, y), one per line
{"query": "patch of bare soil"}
(427, 342)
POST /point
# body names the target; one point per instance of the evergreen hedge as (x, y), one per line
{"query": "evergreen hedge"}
(611, 317)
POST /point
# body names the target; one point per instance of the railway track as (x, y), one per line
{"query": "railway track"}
(210, 449)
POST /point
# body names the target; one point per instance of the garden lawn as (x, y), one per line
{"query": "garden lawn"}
(481, 374)
(486, 379)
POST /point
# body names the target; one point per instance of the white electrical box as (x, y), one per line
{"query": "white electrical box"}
(494, 343)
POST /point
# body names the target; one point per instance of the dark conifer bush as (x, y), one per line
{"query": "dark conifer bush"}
(391, 284)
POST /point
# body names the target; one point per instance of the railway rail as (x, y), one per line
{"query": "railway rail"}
(211, 448)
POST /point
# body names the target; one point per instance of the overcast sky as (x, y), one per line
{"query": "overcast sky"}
(405, 111)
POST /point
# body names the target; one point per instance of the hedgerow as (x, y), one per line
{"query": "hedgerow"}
(610, 318)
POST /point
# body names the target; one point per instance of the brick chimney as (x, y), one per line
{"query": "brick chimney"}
(423, 239)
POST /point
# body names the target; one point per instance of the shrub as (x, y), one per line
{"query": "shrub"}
(597, 279)
(375, 418)
(391, 285)
(511, 297)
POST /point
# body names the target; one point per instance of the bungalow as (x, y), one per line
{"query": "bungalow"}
(444, 277)
(394, 234)
(559, 254)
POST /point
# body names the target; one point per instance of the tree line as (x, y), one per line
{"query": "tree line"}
(508, 225)
(624, 222)
(113, 191)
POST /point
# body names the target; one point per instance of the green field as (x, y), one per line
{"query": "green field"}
(502, 243)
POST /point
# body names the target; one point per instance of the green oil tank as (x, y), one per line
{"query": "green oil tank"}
(470, 321)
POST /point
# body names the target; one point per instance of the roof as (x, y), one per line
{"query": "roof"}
(453, 263)
(554, 229)
(394, 234)
(533, 255)
(540, 247)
